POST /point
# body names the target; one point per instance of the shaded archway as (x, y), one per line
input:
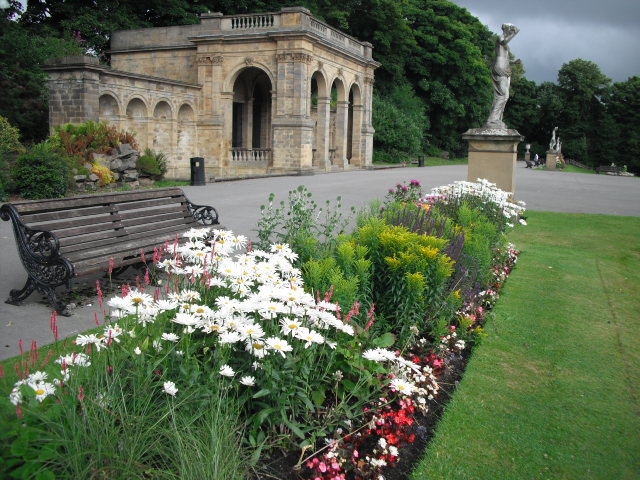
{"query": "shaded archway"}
(137, 121)
(338, 124)
(354, 129)
(108, 107)
(162, 121)
(251, 117)
(320, 114)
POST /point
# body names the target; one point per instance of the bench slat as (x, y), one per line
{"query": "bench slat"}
(82, 201)
(98, 246)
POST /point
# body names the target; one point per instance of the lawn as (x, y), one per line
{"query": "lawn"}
(554, 390)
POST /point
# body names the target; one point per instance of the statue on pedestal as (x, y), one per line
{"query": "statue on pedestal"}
(555, 145)
(501, 75)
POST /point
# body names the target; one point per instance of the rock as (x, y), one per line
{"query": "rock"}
(130, 175)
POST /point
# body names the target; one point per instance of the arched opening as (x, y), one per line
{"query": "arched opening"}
(338, 124)
(251, 122)
(108, 107)
(355, 146)
(319, 113)
(162, 117)
(137, 121)
(186, 141)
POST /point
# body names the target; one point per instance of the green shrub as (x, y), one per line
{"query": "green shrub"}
(401, 123)
(10, 147)
(41, 172)
(410, 277)
(153, 164)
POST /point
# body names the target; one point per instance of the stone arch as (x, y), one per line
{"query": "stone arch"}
(162, 111)
(138, 120)
(161, 140)
(354, 126)
(319, 112)
(338, 123)
(251, 115)
(108, 107)
(187, 139)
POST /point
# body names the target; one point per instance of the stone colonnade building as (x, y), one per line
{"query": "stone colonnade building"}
(251, 94)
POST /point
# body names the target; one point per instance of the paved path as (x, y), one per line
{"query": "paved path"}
(239, 205)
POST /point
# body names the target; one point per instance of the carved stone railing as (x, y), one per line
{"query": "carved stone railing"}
(246, 22)
(303, 21)
(251, 156)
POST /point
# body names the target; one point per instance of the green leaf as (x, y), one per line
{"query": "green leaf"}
(295, 429)
(262, 393)
(384, 341)
(318, 397)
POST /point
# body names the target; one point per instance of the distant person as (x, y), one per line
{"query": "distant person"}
(501, 75)
(536, 159)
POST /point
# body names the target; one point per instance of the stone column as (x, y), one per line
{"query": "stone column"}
(342, 124)
(492, 155)
(292, 125)
(551, 159)
(323, 132)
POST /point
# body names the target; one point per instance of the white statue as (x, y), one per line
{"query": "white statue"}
(501, 75)
(554, 143)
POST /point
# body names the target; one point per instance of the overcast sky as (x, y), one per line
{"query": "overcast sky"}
(554, 32)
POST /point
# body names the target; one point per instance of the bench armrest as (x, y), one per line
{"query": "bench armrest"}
(203, 214)
(39, 251)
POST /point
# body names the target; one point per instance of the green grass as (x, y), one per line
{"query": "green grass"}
(170, 183)
(554, 390)
(429, 162)
(574, 169)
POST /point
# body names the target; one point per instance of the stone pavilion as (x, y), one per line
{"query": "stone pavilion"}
(251, 94)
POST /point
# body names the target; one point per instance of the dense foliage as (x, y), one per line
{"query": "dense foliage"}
(10, 147)
(41, 172)
(434, 78)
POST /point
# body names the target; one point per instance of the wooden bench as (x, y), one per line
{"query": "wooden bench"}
(609, 169)
(59, 239)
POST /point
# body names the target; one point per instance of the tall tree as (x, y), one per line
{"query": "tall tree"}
(624, 108)
(23, 83)
(583, 89)
(449, 67)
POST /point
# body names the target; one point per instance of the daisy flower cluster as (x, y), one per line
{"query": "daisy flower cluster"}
(485, 192)
(36, 384)
(260, 306)
(253, 304)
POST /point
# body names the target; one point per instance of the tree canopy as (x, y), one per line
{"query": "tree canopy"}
(432, 52)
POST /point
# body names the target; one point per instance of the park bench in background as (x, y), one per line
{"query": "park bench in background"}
(59, 239)
(609, 169)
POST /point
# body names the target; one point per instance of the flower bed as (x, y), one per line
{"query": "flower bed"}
(258, 335)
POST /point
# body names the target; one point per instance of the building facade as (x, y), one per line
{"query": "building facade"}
(251, 94)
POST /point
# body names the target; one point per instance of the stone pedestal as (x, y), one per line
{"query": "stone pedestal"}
(492, 155)
(551, 159)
